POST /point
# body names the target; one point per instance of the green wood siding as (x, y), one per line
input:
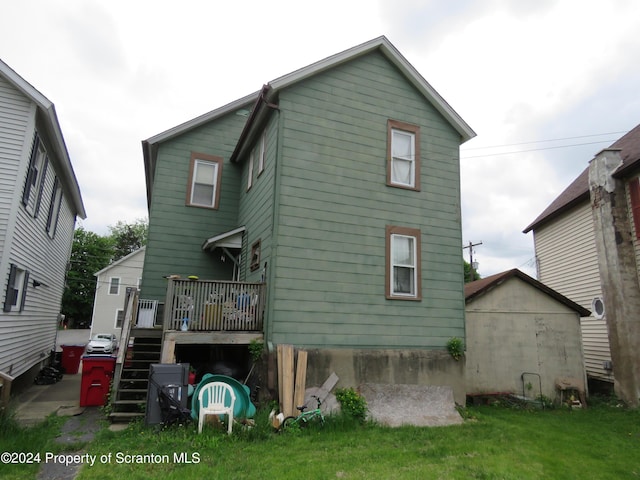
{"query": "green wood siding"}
(328, 288)
(177, 231)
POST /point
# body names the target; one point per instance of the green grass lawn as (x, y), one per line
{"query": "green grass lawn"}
(602, 442)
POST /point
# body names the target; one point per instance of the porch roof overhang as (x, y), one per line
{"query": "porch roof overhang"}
(226, 240)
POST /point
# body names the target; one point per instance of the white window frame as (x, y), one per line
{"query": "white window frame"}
(395, 130)
(114, 281)
(261, 157)
(200, 160)
(250, 170)
(35, 178)
(119, 312)
(54, 208)
(16, 291)
(394, 234)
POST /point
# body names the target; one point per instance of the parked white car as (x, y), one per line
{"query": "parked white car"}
(102, 343)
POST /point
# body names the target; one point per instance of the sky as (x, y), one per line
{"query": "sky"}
(545, 85)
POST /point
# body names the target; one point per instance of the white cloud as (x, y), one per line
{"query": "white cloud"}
(515, 71)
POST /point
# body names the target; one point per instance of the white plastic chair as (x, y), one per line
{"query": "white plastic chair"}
(216, 398)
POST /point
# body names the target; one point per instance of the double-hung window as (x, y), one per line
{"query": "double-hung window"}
(114, 286)
(16, 289)
(54, 208)
(403, 278)
(204, 181)
(34, 185)
(261, 156)
(403, 155)
(250, 170)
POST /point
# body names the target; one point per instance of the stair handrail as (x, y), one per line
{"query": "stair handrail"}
(131, 303)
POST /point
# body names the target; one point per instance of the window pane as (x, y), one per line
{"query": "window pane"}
(202, 194)
(402, 145)
(402, 171)
(403, 250)
(403, 280)
(205, 172)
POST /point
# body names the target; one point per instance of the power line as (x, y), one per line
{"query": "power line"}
(545, 141)
(535, 149)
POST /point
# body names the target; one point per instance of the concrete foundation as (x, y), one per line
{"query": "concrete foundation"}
(434, 368)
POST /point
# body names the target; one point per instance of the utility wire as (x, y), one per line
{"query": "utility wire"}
(545, 141)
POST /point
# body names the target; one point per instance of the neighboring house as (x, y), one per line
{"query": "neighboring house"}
(522, 337)
(325, 209)
(567, 254)
(39, 202)
(112, 283)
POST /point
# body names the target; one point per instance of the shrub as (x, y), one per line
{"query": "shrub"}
(352, 403)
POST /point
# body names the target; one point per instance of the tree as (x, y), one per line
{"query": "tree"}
(128, 237)
(467, 273)
(90, 253)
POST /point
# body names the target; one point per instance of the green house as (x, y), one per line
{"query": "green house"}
(323, 212)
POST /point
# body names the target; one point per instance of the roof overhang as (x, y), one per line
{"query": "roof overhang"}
(47, 111)
(267, 97)
(150, 146)
(230, 239)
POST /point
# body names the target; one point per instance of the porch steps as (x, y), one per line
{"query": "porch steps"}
(130, 394)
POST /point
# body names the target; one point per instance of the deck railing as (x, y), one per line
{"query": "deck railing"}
(213, 305)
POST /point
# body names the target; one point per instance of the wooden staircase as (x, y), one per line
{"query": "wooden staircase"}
(129, 395)
(131, 377)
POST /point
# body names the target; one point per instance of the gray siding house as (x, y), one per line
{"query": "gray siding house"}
(39, 202)
(322, 211)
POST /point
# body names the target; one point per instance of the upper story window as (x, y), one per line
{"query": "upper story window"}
(403, 155)
(114, 286)
(250, 170)
(34, 185)
(403, 278)
(54, 208)
(205, 174)
(262, 153)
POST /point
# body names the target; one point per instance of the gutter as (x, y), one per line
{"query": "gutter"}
(257, 116)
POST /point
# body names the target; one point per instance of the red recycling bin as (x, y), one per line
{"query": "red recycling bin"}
(71, 356)
(97, 372)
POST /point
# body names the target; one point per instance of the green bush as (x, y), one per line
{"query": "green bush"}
(455, 347)
(352, 403)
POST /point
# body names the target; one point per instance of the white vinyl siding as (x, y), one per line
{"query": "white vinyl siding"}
(107, 308)
(568, 263)
(27, 335)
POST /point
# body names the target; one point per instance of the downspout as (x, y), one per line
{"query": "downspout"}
(271, 271)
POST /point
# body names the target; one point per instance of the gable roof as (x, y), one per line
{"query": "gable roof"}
(261, 102)
(270, 91)
(578, 191)
(48, 113)
(121, 260)
(478, 288)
